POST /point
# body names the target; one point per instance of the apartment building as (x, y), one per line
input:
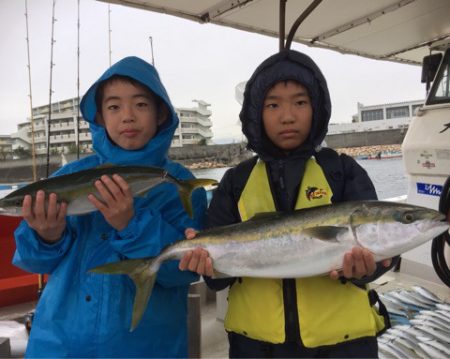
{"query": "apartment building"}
(65, 133)
(386, 116)
(388, 111)
(5, 147)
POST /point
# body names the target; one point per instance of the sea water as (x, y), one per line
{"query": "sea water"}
(387, 175)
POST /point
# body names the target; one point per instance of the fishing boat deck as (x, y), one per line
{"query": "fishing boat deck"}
(213, 339)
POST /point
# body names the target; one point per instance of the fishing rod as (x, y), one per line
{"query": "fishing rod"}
(33, 147)
(52, 41)
(109, 33)
(151, 48)
(29, 317)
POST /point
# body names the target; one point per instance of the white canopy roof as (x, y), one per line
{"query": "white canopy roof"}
(394, 30)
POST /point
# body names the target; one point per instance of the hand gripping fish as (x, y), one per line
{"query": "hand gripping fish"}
(302, 243)
(74, 188)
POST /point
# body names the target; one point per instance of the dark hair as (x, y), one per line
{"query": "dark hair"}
(101, 90)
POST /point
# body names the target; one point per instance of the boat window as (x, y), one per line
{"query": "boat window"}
(440, 91)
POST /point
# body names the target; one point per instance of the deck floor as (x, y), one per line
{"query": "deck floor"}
(214, 343)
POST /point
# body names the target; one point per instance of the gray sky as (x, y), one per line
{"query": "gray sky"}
(194, 61)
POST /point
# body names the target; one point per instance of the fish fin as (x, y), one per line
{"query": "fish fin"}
(143, 273)
(186, 187)
(325, 233)
(144, 285)
(122, 267)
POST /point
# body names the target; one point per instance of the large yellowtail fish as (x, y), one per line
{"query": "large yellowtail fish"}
(302, 243)
(74, 188)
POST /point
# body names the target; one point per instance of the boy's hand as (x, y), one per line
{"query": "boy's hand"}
(357, 264)
(197, 260)
(48, 222)
(116, 203)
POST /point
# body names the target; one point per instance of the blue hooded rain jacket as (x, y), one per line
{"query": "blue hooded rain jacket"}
(82, 314)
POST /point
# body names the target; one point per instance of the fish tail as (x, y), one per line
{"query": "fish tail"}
(143, 273)
(186, 187)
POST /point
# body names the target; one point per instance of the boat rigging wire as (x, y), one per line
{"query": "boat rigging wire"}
(52, 41)
(33, 147)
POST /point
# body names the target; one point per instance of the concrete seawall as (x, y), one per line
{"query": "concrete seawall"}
(203, 156)
(210, 156)
(191, 156)
(372, 138)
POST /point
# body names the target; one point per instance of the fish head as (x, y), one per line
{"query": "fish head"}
(388, 229)
(11, 206)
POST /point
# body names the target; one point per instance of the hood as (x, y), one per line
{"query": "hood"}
(285, 65)
(155, 152)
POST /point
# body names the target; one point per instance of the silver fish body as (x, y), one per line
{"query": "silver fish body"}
(303, 243)
(74, 188)
(426, 293)
(313, 241)
(440, 346)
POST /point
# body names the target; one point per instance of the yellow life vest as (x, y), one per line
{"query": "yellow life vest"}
(330, 312)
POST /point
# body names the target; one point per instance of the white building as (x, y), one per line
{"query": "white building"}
(195, 128)
(195, 125)
(64, 132)
(5, 147)
(386, 116)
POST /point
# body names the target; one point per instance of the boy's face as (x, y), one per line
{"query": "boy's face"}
(287, 115)
(129, 113)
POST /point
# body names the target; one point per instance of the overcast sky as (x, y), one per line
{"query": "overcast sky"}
(203, 62)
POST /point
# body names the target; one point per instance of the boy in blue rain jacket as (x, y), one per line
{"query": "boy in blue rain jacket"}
(81, 314)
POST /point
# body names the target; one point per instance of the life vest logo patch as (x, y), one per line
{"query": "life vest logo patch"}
(315, 193)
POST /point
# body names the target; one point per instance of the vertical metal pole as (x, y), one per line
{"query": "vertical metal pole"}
(50, 89)
(194, 326)
(298, 22)
(33, 149)
(282, 23)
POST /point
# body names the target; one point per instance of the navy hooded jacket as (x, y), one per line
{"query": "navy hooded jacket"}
(348, 179)
(82, 314)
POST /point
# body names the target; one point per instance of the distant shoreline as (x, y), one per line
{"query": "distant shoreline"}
(364, 152)
(370, 152)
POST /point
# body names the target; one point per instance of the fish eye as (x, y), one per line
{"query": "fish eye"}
(408, 217)
(18, 202)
